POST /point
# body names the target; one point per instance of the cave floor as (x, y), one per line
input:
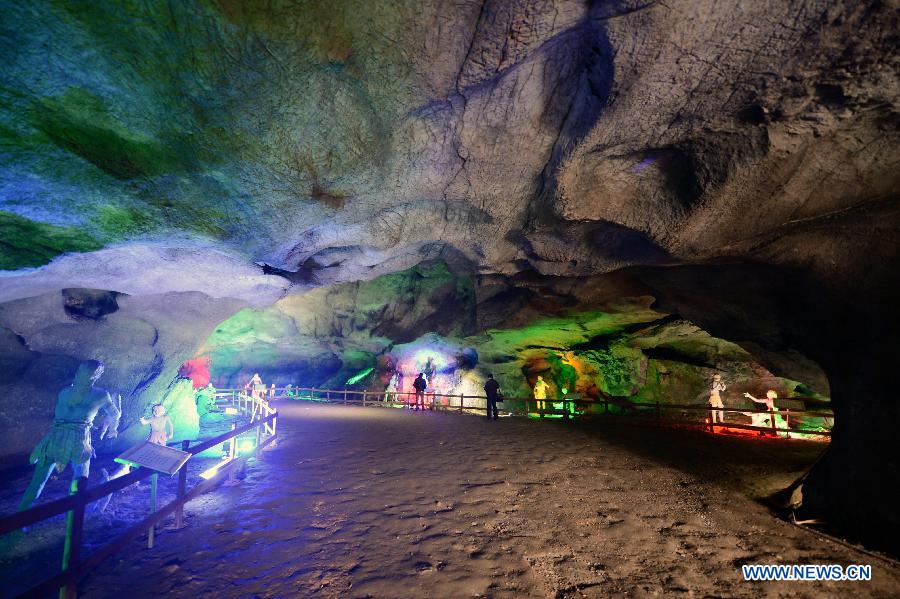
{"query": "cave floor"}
(377, 502)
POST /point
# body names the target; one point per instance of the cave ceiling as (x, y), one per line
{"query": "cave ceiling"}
(246, 150)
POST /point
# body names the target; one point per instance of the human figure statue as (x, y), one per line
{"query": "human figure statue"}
(288, 390)
(69, 439)
(540, 392)
(255, 386)
(161, 430)
(206, 400)
(161, 427)
(428, 372)
(715, 401)
(419, 385)
(766, 420)
(492, 391)
(272, 391)
(392, 388)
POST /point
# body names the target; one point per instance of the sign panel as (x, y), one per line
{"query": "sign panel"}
(156, 457)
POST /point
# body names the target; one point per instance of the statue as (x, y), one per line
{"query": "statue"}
(769, 419)
(715, 401)
(540, 392)
(256, 386)
(206, 400)
(161, 427)
(69, 439)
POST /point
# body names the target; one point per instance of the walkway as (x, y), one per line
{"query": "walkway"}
(377, 502)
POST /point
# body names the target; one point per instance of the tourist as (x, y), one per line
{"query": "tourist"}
(161, 427)
(419, 385)
(69, 440)
(715, 401)
(272, 391)
(540, 392)
(492, 390)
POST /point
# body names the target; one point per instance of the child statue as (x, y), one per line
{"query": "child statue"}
(161, 427)
(69, 439)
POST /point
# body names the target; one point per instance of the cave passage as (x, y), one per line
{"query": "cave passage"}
(389, 503)
(663, 206)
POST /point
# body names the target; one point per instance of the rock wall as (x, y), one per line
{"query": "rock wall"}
(142, 344)
(738, 159)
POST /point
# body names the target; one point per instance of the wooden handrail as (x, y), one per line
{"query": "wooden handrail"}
(77, 502)
(623, 403)
(657, 409)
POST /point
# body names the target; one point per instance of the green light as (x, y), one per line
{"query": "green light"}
(355, 379)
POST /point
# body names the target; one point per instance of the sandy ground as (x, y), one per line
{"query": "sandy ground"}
(377, 502)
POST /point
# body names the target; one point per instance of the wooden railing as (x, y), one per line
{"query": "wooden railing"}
(74, 567)
(659, 413)
(253, 407)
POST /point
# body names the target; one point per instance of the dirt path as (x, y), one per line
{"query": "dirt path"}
(373, 502)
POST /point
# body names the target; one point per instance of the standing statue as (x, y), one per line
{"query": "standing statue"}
(69, 439)
(540, 392)
(715, 400)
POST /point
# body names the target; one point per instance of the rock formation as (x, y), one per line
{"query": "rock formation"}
(736, 161)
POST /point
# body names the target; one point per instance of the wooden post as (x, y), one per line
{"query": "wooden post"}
(711, 428)
(772, 423)
(345, 395)
(461, 402)
(72, 547)
(787, 419)
(365, 393)
(182, 487)
(152, 531)
(565, 409)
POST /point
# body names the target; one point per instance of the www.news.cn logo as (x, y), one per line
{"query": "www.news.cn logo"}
(806, 572)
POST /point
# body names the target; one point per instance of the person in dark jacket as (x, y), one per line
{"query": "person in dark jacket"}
(419, 385)
(492, 390)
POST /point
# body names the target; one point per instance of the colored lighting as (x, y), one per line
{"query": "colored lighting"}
(231, 411)
(212, 472)
(246, 446)
(355, 379)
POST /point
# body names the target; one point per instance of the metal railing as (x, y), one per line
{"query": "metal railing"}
(74, 567)
(660, 413)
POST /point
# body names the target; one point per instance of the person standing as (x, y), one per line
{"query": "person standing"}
(540, 392)
(492, 390)
(420, 385)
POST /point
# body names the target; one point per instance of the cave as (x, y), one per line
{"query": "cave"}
(621, 198)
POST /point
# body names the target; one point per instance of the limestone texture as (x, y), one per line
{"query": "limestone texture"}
(737, 162)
